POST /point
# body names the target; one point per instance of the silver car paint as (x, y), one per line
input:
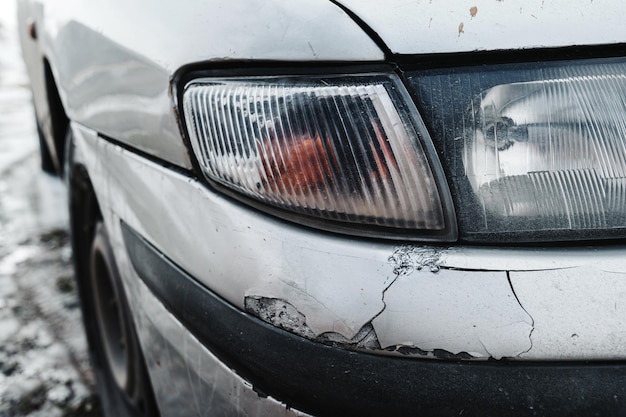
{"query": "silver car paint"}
(559, 303)
(186, 377)
(446, 26)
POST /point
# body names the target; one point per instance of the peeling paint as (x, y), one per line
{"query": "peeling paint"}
(408, 258)
(366, 338)
(279, 313)
(284, 315)
(435, 353)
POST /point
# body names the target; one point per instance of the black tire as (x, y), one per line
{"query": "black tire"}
(121, 376)
(47, 165)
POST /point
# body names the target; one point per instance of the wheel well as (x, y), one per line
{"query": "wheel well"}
(84, 215)
(59, 122)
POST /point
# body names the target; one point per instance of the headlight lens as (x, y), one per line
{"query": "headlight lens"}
(345, 149)
(538, 152)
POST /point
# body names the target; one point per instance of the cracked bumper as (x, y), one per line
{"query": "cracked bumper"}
(326, 380)
(518, 303)
(417, 303)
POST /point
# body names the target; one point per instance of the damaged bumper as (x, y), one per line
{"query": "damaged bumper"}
(461, 302)
(327, 380)
(290, 309)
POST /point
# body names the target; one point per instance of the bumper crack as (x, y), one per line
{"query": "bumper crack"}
(530, 334)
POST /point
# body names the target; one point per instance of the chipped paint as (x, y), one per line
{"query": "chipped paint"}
(337, 293)
(284, 315)
(434, 354)
(408, 258)
(473, 11)
(366, 338)
(278, 313)
(187, 378)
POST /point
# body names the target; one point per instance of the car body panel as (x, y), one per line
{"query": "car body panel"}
(182, 370)
(342, 289)
(449, 26)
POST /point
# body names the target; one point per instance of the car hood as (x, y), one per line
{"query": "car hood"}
(445, 26)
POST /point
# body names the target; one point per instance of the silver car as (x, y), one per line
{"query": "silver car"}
(342, 207)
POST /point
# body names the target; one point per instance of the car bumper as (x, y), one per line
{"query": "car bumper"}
(336, 325)
(327, 380)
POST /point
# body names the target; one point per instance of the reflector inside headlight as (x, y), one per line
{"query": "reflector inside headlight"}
(341, 148)
(534, 149)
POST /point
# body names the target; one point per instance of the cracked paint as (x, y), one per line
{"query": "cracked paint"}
(454, 313)
(423, 308)
(530, 336)
(532, 259)
(422, 301)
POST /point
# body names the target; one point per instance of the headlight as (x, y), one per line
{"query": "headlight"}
(349, 151)
(535, 151)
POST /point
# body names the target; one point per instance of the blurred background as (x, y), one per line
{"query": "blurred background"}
(44, 366)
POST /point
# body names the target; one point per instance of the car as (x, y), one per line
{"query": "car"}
(342, 207)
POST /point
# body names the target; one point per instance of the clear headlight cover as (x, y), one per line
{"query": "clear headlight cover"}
(535, 151)
(344, 149)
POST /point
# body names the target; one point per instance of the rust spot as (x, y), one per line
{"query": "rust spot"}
(461, 25)
(473, 11)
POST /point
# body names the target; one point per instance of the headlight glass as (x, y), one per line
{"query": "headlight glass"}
(535, 151)
(350, 150)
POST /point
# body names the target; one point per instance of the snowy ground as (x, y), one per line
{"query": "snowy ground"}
(44, 369)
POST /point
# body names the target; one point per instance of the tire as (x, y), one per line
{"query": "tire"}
(121, 376)
(47, 165)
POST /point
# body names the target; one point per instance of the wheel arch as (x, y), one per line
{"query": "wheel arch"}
(54, 120)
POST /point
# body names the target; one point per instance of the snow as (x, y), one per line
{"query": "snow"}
(44, 366)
